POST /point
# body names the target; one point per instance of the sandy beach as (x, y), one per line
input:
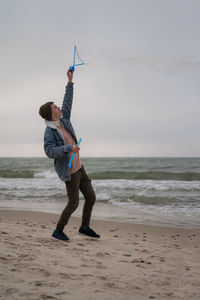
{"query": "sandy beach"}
(129, 261)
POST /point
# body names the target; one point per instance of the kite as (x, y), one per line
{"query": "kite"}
(80, 61)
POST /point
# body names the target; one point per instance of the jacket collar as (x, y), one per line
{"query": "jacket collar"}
(50, 124)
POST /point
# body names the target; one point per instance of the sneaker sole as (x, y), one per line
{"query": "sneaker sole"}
(92, 237)
(55, 239)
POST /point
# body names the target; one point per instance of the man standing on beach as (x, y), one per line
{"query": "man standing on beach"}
(60, 143)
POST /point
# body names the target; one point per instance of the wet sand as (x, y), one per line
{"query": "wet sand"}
(129, 261)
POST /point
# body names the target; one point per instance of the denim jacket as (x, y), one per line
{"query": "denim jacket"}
(54, 144)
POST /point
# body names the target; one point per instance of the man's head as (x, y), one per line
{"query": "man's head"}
(50, 112)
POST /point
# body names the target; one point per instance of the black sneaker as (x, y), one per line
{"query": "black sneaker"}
(89, 232)
(60, 236)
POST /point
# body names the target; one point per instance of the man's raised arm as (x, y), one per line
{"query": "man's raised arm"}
(68, 97)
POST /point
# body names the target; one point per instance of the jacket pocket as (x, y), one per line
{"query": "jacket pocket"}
(61, 167)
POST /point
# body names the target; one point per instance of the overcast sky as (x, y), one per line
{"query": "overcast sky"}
(136, 95)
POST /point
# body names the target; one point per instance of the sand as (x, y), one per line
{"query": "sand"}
(129, 261)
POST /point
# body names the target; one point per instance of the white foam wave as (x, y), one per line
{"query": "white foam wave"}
(48, 174)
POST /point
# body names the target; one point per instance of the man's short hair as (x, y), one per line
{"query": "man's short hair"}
(45, 111)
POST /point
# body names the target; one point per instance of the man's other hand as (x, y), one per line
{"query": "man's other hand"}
(75, 148)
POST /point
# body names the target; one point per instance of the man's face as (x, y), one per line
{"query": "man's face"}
(55, 112)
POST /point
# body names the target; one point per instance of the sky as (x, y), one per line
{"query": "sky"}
(138, 92)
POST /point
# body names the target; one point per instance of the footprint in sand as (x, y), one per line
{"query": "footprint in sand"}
(41, 271)
(135, 261)
(3, 258)
(13, 270)
(37, 283)
(145, 251)
(98, 291)
(102, 277)
(112, 230)
(162, 259)
(44, 296)
(101, 267)
(109, 284)
(3, 232)
(141, 262)
(12, 290)
(62, 293)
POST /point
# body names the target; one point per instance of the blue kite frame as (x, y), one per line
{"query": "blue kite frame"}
(72, 68)
(70, 163)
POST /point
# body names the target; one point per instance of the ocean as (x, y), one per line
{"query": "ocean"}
(154, 191)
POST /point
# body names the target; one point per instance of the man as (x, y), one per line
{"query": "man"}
(60, 143)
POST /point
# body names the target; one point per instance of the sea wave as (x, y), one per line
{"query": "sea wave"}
(27, 174)
(175, 201)
(17, 173)
(45, 174)
(149, 175)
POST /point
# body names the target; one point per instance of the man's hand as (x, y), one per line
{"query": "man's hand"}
(70, 75)
(75, 148)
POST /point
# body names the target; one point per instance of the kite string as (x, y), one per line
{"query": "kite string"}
(74, 56)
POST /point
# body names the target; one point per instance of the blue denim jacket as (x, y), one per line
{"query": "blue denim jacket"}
(54, 144)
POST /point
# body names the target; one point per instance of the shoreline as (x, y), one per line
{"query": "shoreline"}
(52, 218)
(115, 214)
(129, 261)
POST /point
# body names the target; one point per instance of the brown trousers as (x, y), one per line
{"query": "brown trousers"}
(79, 181)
